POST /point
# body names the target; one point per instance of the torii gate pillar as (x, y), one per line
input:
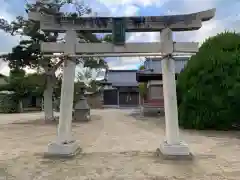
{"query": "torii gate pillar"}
(65, 144)
(188, 22)
(172, 144)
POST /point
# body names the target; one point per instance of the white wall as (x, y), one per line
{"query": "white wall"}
(124, 78)
(156, 65)
(155, 92)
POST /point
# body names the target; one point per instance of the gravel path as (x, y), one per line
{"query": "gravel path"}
(116, 146)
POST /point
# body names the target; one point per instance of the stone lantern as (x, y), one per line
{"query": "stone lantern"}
(81, 109)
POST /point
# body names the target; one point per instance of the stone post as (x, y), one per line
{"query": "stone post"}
(65, 145)
(172, 145)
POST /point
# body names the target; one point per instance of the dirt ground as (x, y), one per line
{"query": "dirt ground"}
(117, 145)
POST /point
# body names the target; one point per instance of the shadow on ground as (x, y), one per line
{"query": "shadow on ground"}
(54, 123)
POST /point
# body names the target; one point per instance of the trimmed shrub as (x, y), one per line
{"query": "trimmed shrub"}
(209, 87)
(8, 103)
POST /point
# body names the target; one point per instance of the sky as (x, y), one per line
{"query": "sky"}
(227, 18)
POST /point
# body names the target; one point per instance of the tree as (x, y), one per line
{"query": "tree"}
(142, 86)
(22, 85)
(17, 84)
(88, 78)
(209, 86)
(28, 53)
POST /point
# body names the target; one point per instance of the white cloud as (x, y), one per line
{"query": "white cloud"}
(130, 10)
(124, 67)
(188, 6)
(110, 3)
(4, 68)
(7, 40)
(4, 13)
(228, 21)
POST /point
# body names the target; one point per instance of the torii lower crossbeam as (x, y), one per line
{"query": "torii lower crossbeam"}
(103, 49)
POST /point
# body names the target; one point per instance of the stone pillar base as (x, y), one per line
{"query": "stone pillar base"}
(81, 115)
(62, 150)
(178, 151)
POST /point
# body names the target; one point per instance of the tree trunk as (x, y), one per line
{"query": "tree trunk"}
(20, 106)
(48, 92)
(48, 100)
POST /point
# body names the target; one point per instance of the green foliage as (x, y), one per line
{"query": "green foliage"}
(94, 63)
(27, 53)
(142, 89)
(8, 103)
(35, 84)
(85, 75)
(23, 86)
(141, 67)
(88, 78)
(107, 38)
(15, 82)
(209, 87)
(142, 86)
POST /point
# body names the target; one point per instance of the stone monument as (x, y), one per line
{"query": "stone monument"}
(165, 25)
(81, 109)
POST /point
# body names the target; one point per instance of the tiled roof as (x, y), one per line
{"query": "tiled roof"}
(122, 77)
(177, 58)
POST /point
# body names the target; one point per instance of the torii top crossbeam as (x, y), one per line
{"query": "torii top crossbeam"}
(185, 22)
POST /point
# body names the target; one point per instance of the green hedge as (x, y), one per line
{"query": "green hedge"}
(8, 103)
(209, 87)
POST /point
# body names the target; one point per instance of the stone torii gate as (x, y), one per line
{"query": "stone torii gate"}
(165, 25)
